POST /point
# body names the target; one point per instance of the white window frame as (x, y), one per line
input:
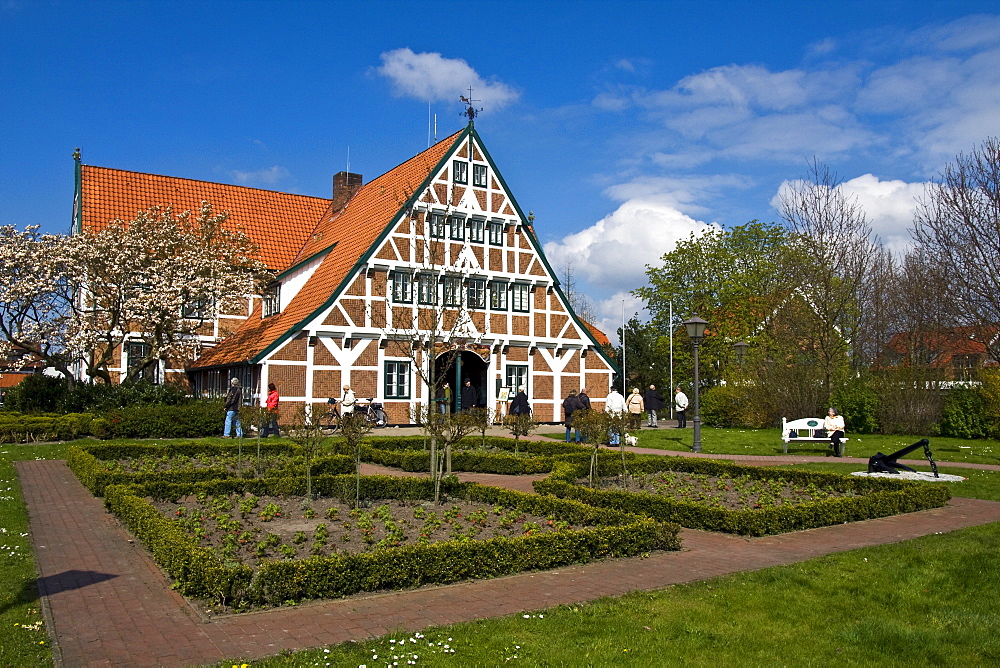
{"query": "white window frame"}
(460, 172)
(396, 379)
(520, 298)
(480, 175)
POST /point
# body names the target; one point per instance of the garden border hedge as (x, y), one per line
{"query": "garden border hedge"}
(86, 462)
(877, 497)
(201, 573)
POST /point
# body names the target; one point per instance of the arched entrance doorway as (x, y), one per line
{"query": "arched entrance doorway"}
(455, 367)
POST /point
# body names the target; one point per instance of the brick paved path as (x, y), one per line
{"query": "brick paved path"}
(107, 603)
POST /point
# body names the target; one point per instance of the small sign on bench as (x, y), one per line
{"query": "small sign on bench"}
(804, 430)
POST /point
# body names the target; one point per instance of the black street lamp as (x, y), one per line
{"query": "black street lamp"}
(696, 332)
(741, 350)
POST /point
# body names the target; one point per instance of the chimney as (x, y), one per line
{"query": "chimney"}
(345, 184)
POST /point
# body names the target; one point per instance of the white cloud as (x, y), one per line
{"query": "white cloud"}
(889, 206)
(431, 77)
(612, 254)
(268, 176)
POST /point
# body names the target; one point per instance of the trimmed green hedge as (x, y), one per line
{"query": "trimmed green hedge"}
(408, 454)
(201, 573)
(87, 462)
(20, 428)
(874, 497)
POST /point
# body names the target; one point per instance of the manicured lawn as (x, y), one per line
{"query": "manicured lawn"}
(929, 601)
(23, 640)
(768, 442)
(926, 601)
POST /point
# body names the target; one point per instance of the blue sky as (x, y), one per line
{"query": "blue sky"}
(622, 125)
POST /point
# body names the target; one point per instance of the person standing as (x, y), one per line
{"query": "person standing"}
(680, 405)
(654, 402)
(571, 404)
(469, 396)
(834, 425)
(234, 399)
(520, 405)
(614, 405)
(348, 402)
(444, 399)
(635, 406)
(271, 425)
(584, 399)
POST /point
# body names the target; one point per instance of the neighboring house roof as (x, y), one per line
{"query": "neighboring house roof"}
(347, 236)
(945, 344)
(598, 335)
(279, 223)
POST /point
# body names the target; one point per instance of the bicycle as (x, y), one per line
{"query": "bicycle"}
(329, 422)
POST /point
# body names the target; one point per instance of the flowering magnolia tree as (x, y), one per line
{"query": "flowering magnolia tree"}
(155, 279)
(36, 288)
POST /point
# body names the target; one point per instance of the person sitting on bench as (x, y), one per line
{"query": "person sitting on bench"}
(834, 425)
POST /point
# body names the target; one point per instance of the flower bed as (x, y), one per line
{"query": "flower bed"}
(827, 499)
(98, 466)
(206, 572)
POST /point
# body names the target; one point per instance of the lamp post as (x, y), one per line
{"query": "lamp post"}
(741, 350)
(696, 332)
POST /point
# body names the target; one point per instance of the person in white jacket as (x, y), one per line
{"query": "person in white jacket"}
(680, 405)
(834, 425)
(614, 405)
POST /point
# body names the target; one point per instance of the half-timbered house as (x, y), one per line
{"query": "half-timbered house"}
(432, 263)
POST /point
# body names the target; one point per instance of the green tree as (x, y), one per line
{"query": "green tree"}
(735, 278)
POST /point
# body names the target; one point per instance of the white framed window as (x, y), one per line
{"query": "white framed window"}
(477, 230)
(496, 233)
(479, 175)
(498, 295)
(271, 304)
(452, 290)
(517, 376)
(520, 297)
(460, 171)
(436, 223)
(402, 287)
(397, 380)
(456, 228)
(427, 288)
(477, 293)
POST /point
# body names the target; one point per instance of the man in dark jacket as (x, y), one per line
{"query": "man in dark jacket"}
(584, 399)
(654, 402)
(232, 405)
(571, 404)
(469, 396)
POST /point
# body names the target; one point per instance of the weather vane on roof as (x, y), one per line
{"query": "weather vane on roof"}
(470, 111)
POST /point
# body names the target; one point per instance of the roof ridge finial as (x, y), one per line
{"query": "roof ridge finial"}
(470, 110)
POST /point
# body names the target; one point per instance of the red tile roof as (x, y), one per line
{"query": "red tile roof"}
(351, 232)
(279, 223)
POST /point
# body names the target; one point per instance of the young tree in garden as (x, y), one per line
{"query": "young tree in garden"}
(354, 426)
(156, 279)
(38, 289)
(425, 318)
(518, 426)
(305, 430)
(837, 259)
(957, 227)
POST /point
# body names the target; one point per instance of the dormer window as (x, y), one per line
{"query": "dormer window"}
(479, 175)
(460, 171)
(271, 300)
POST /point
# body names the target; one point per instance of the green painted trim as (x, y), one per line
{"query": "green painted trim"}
(76, 226)
(530, 236)
(306, 261)
(349, 277)
(517, 209)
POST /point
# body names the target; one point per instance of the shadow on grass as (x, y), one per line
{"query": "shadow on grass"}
(53, 584)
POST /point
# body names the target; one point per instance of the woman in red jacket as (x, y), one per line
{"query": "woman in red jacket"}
(272, 412)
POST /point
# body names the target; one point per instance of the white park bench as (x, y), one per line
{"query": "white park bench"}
(805, 432)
